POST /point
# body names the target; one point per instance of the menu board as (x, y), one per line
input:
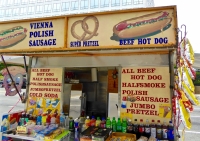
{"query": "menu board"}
(45, 90)
(145, 93)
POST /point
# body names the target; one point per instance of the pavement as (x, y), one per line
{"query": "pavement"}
(6, 103)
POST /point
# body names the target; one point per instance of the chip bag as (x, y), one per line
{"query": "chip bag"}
(184, 115)
(188, 105)
(187, 79)
(190, 95)
(189, 52)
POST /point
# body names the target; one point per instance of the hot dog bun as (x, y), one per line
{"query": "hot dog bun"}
(12, 35)
(142, 25)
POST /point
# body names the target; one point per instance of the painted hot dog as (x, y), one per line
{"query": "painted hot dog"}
(12, 36)
(143, 25)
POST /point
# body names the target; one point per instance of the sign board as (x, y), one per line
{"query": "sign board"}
(145, 93)
(131, 28)
(155, 28)
(32, 35)
(45, 90)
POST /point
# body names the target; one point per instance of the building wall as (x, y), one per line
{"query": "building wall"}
(23, 9)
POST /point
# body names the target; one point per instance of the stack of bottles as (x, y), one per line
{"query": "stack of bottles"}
(156, 129)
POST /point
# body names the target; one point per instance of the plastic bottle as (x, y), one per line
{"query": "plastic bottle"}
(103, 123)
(71, 124)
(170, 133)
(129, 126)
(124, 126)
(98, 122)
(147, 129)
(141, 128)
(76, 125)
(93, 121)
(119, 125)
(158, 131)
(87, 122)
(136, 129)
(62, 120)
(164, 131)
(67, 122)
(153, 129)
(114, 125)
(39, 120)
(108, 123)
(48, 120)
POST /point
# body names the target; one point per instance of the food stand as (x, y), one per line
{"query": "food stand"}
(127, 52)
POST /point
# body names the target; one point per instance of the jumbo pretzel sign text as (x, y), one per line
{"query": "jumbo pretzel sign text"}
(85, 28)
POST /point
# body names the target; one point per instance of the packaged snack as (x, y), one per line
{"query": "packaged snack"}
(190, 95)
(142, 138)
(187, 79)
(152, 139)
(184, 115)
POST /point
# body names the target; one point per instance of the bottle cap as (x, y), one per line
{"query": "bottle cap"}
(113, 118)
(93, 117)
(152, 120)
(98, 118)
(141, 120)
(88, 117)
(158, 121)
(129, 120)
(135, 120)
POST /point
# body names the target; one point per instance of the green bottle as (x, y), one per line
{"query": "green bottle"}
(119, 125)
(114, 125)
(108, 123)
(124, 126)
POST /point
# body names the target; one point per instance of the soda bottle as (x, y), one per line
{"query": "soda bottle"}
(119, 125)
(62, 120)
(141, 128)
(170, 133)
(87, 122)
(124, 126)
(153, 129)
(158, 131)
(98, 122)
(136, 129)
(103, 123)
(164, 131)
(108, 123)
(147, 129)
(114, 125)
(129, 126)
(93, 121)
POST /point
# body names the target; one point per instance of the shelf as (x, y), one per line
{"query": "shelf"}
(23, 137)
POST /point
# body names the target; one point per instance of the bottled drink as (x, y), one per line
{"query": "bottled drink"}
(164, 131)
(124, 126)
(141, 128)
(153, 129)
(98, 122)
(62, 120)
(136, 129)
(103, 123)
(76, 125)
(114, 125)
(67, 122)
(71, 124)
(93, 121)
(119, 125)
(108, 123)
(87, 122)
(147, 129)
(129, 126)
(158, 131)
(170, 133)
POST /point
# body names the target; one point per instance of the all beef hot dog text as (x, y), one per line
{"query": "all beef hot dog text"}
(42, 30)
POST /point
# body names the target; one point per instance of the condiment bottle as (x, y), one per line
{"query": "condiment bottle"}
(158, 131)
(147, 129)
(141, 127)
(153, 129)
(164, 131)
(87, 122)
(136, 129)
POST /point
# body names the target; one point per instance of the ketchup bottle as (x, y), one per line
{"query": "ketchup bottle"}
(141, 128)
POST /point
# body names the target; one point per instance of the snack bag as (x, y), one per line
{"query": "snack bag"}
(190, 95)
(184, 115)
(187, 79)
(188, 105)
(189, 52)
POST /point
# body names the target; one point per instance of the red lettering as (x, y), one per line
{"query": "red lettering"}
(137, 77)
(40, 74)
(50, 79)
(48, 95)
(154, 77)
(35, 94)
(147, 70)
(128, 71)
(44, 70)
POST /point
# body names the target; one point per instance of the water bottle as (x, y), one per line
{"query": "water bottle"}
(170, 133)
(62, 120)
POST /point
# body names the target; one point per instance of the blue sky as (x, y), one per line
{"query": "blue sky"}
(188, 11)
